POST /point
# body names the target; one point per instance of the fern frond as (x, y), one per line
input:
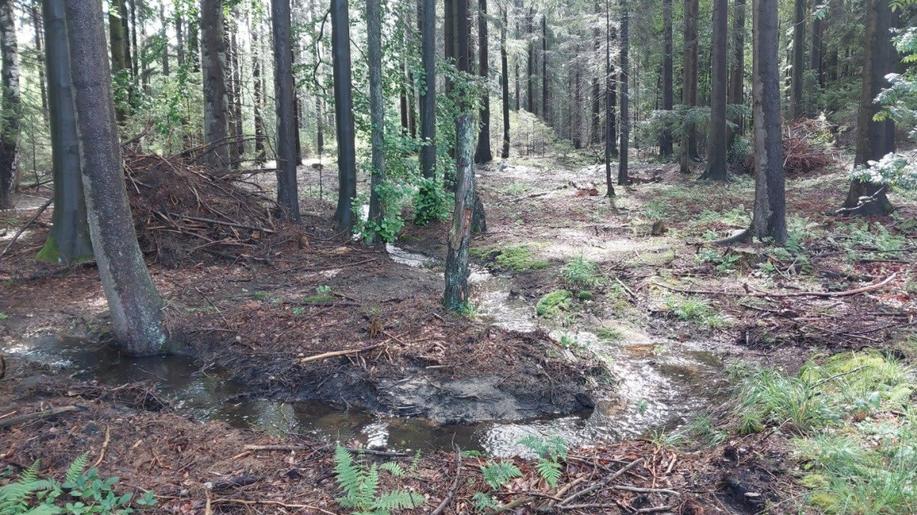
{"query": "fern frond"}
(498, 474)
(348, 476)
(398, 500)
(484, 502)
(392, 468)
(75, 470)
(549, 471)
(44, 509)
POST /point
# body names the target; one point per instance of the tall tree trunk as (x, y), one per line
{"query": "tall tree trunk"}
(625, 96)
(737, 75)
(874, 138)
(403, 99)
(427, 17)
(716, 140)
(38, 29)
(213, 65)
(68, 241)
(135, 306)
(194, 43)
(12, 105)
(343, 111)
(164, 36)
(121, 63)
(769, 216)
(237, 61)
(689, 87)
(179, 38)
(545, 82)
(504, 83)
(665, 138)
(287, 190)
(257, 89)
(130, 28)
(576, 123)
(377, 116)
(816, 59)
(610, 143)
(483, 153)
(797, 110)
(530, 90)
(231, 93)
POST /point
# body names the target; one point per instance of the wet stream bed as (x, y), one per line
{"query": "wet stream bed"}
(657, 385)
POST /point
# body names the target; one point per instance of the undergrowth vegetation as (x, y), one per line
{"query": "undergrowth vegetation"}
(514, 258)
(360, 486)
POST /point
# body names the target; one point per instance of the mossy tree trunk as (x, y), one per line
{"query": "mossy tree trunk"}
(134, 303)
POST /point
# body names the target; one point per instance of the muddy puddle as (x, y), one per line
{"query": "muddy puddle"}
(658, 385)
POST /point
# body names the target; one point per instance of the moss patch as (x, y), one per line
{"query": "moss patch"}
(553, 304)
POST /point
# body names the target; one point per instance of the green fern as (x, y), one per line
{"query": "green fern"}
(549, 471)
(360, 487)
(484, 502)
(550, 453)
(392, 468)
(498, 474)
(16, 497)
(398, 500)
(75, 470)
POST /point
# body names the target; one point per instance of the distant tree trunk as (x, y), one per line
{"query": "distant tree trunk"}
(689, 87)
(874, 138)
(121, 62)
(287, 190)
(576, 124)
(769, 216)
(179, 38)
(449, 39)
(403, 100)
(530, 90)
(237, 128)
(12, 105)
(797, 110)
(427, 17)
(130, 28)
(68, 241)
(665, 139)
(38, 28)
(545, 82)
(164, 35)
(716, 140)
(377, 115)
(213, 65)
(343, 111)
(194, 44)
(625, 97)
(504, 83)
(816, 59)
(610, 143)
(231, 94)
(135, 306)
(257, 91)
(737, 75)
(483, 153)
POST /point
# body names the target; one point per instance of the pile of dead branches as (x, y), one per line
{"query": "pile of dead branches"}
(803, 147)
(186, 213)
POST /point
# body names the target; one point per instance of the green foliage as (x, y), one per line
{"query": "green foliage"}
(82, 491)
(484, 502)
(695, 310)
(389, 227)
(360, 486)
(723, 263)
(550, 453)
(497, 474)
(322, 295)
(581, 274)
(703, 429)
(609, 334)
(553, 304)
(515, 258)
(866, 240)
(431, 204)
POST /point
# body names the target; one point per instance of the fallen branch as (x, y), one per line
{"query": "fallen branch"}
(272, 503)
(337, 353)
(26, 226)
(220, 222)
(455, 482)
(104, 446)
(38, 415)
(601, 484)
(759, 293)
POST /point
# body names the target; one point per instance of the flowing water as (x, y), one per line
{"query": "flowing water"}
(659, 385)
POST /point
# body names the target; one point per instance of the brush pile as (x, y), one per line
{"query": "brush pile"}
(806, 147)
(184, 213)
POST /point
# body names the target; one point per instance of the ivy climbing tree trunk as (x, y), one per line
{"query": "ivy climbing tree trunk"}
(625, 96)
(504, 83)
(68, 241)
(287, 190)
(769, 216)
(377, 118)
(665, 138)
(716, 140)
(11, 103)
(688, 150)
(427, 17)
(343, 111)
(213, 67)
(483, 153)
(134, 303)
(874, 138)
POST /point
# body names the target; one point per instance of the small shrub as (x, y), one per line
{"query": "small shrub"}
(609, 334)
(694, 310)
(430, 203)
(554, 304)
(322, 295)
(497, 474)
(581, 274)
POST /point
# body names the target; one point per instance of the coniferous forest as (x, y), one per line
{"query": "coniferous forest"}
(492, 256)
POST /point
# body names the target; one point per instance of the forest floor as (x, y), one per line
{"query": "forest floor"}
(620, 310)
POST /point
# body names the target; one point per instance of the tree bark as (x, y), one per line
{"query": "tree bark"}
(134, 303)
(874, 138)
(427, 17)
(665, 139)
(737, 75)
(12, 105)
(68, 241)
(343, 110)
(688, 150)
(716, 140)
(213, 66)
(237, 126)
(483, 153)
(769, 216)
(504, 83)
(121, 63)
(797, 110)
(231, 96)
(38, 28)
(257, 90)
(610, 143)
(625, 97)
(287, 190)
(816, 59)
(194, 43)
(179, 38)
(377, 116)
(164, 36)
(545, 82)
